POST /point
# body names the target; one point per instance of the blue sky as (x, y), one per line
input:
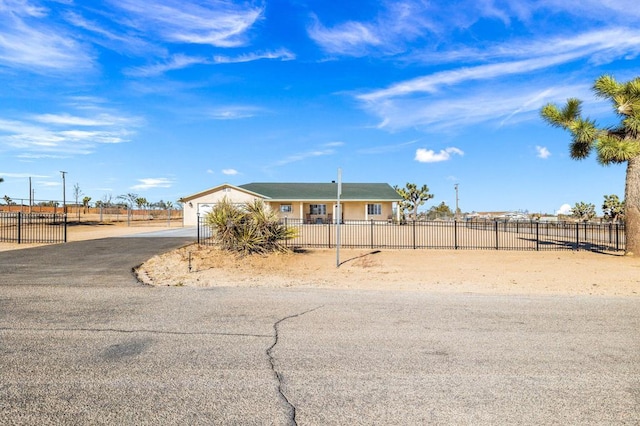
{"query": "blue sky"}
(168, 98)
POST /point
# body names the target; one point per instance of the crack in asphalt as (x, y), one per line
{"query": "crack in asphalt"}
(116, 330)
(272, 362)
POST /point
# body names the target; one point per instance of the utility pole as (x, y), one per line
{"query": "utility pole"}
(64, 193)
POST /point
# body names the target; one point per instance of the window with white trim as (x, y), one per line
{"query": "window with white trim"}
(374, 209)
(318, 209)
(286, 208)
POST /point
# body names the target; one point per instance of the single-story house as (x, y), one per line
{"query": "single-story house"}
(306, 202)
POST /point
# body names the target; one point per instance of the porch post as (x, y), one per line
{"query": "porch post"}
(301, 212)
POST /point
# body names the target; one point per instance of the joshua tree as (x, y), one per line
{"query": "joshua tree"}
(85, 203)
(413, 197)
(584, 211)
(613, 145)
(613, 208)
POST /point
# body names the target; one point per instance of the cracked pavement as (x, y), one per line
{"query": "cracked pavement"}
(81, 342)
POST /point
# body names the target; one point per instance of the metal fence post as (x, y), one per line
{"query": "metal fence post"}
(617, 236)
(455, 234)
(414, 234)
(577, 236)
(65, 228)
(198, 228)
(496, 229)
(537, 236)
(19, 227)
(371, 234)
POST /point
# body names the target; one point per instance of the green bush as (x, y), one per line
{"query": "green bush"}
(249, 228)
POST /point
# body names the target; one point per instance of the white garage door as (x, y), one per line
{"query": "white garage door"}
(204, 209)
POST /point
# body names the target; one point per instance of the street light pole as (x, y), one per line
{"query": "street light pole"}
(64, 193)
(456, 187)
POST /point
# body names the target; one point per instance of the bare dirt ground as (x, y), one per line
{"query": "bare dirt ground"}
(497, 272)
(91, 231)
(459, 271)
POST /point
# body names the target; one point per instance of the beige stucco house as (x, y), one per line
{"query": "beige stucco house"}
(306, 202)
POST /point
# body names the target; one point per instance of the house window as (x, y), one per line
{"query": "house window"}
(318, 209)
(286, 208)
(374, 209)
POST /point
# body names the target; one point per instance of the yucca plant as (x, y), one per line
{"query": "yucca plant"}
(249, 228)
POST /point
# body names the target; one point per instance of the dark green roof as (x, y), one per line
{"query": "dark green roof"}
(324, 191)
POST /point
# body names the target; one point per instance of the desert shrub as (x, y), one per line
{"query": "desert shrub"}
(249, 228)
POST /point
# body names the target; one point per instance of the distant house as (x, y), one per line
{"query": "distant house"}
(306, 202)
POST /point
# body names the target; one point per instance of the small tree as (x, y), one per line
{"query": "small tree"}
(584, 211)
(413, 197)
(77, 193)
(129, 199)
(250, 228)
(85, 203)
(613, 208)
(440, 211)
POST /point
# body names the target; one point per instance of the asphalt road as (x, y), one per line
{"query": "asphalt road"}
(81, 342)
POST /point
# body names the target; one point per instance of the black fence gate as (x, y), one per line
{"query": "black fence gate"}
(24, 228)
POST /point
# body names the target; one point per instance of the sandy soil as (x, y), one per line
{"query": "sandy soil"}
(89, 231)
(496, 272)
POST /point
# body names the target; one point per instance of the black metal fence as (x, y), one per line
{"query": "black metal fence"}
(33, 228)
(459, 235)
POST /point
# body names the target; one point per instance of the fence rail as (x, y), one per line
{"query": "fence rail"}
(458, 235)
(33, 228)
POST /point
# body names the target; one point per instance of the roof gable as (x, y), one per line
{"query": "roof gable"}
(219, 188)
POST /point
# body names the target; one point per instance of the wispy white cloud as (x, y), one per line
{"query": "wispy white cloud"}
(56, 135)
(233, 112)
(452, 97)
(118, 38)
(28, 41)
(217, 23)
(280, 54)
(66, 119)
(176, 62)
(229, 172)
(21, 175)
(597, 45)
(383, 149)
(301, 156)
(542, 152)
(454, 110)
(350, 38)
(435, 82)
(149, 183)
(430, 156)
(397, 23)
